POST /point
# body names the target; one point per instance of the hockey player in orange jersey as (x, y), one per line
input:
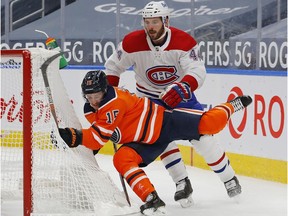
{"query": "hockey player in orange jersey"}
(144, 129)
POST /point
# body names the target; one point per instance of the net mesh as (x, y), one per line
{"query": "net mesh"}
(64, 180)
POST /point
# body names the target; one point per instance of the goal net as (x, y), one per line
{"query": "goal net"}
(36, 165)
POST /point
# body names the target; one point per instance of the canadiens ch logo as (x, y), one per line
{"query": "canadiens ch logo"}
(162, 75)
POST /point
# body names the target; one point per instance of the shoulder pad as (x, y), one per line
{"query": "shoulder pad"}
(181, 40)
(135, 42)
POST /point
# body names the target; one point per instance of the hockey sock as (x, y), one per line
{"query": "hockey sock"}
(126, 162)
(214, 156)
(214, 120)
(173, 162)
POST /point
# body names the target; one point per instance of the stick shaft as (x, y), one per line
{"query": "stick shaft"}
(44, 68)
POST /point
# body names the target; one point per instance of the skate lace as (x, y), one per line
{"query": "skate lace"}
(180, 185)
(150, 197)
(237, 104)
(231, 185)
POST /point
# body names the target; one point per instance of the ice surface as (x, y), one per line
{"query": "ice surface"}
(259, 197)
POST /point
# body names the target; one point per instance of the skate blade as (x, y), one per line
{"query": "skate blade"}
(152, 212)
(237, 199)
(185, 203)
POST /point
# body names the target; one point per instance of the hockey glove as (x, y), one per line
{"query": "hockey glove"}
(71, 136)
(175, 93)
(95, 151)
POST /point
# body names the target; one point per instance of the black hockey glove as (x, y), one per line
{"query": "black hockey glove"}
(95, 151)
(71, 136)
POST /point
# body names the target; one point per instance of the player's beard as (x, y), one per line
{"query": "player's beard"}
(158, 35)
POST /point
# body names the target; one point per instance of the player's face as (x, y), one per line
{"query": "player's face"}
(154, 27)
(94, 99)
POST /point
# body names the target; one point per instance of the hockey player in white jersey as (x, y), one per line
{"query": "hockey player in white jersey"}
(167, 66)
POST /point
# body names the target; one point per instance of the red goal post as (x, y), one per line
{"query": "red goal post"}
(24, 60)
(36, 165)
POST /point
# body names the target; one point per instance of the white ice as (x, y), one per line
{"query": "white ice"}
(259, 197)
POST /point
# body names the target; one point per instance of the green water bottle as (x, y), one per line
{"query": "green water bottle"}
(52, 45)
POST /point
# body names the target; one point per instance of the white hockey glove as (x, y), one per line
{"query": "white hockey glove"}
(175, 93)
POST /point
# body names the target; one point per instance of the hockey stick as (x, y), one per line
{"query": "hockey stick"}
(122, 180)
(47, 86)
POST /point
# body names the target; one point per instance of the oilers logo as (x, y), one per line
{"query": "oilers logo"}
(162, 75)
(116, 135)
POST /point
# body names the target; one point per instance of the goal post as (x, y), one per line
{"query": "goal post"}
(24, 59)
(27, 136)
(37, 166)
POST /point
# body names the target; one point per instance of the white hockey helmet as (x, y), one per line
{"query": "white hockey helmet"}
(156, 9)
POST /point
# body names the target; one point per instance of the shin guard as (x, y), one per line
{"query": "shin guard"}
(214, 156)
(172, 160)
(214, 120)
(126, 161)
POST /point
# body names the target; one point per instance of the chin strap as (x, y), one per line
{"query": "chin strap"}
(163, 35)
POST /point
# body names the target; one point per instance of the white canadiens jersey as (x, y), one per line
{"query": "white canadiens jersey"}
(156, 67)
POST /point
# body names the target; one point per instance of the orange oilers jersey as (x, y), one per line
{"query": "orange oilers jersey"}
(123, 118)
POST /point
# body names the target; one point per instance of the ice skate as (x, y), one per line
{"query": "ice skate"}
(233, 187)
(241, 102)
(183, 193)
(153, 206)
